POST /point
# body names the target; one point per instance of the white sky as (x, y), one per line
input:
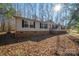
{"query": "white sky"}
(39, 1)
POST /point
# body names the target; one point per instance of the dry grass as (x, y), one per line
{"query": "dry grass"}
(60, 45)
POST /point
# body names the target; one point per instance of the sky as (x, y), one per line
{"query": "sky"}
(28, 10)
(24, 8)
(45, 10)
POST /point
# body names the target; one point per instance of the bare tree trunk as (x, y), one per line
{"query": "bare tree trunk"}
(2, 23)
(9, 27)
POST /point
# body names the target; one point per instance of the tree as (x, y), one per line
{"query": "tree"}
(74, 21)
(2, 11)
(10, 11)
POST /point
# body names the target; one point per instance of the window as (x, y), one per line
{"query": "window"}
(32, 24)
(53, 26)
(56, 26)
(43, 25)
(24, 23)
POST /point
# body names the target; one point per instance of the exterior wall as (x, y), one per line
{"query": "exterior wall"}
(12, 24)
(37, 26)
(49, 25)
(6, 26)
(26, 32)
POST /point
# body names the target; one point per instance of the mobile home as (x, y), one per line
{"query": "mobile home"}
(26, 27)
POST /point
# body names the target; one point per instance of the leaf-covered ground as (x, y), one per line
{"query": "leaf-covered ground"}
(55, 45)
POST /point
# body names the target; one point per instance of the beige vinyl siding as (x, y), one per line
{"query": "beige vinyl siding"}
(37, 26)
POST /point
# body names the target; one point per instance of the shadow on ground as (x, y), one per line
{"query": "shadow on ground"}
(76, 41)
(10, 38)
